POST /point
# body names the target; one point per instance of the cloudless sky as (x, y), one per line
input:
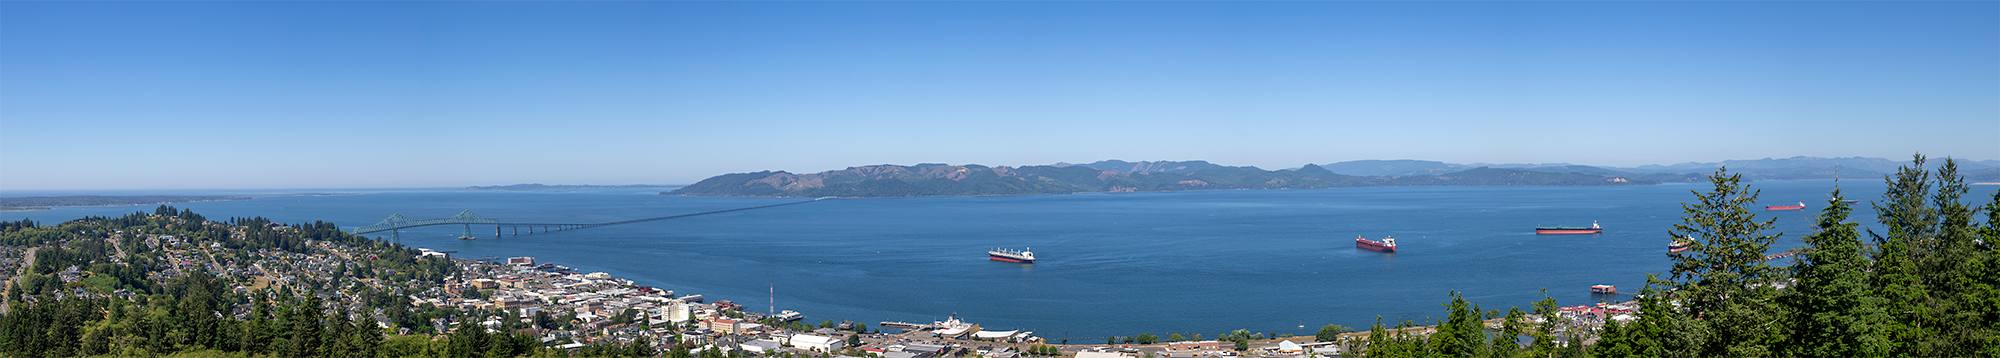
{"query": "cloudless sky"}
(165, 95)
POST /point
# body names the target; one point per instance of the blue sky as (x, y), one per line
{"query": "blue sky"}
(177, 95)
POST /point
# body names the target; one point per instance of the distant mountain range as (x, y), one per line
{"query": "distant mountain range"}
(878, 181)
(931, 179)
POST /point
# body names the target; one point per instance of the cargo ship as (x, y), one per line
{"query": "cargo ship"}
(1388, 244)
(1009, 255)
(1784, 207)
(1680, 245)
(1552, 230)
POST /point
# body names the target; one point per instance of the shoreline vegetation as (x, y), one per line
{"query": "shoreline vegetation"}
(143, 285)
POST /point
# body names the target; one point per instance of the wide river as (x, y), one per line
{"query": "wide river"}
(1204, 262)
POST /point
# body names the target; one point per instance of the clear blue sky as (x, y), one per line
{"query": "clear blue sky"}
(163, 95)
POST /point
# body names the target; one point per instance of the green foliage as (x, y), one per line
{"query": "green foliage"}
(1507, 342)
(1829, 313)
(1146, 338)
(1926, 289)
(1543, 339)
(1723, 277)
(1462, 334)
(1330, 332)
(196, 313)
(1044, 350)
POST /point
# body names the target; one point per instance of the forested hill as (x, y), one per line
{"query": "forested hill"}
(881, 181)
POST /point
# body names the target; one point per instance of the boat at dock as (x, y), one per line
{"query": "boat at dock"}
(1011, 255)
(1388, 244)
(1603, 289)
(1802, 205)
(1556, 230)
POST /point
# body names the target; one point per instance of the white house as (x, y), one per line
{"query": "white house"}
(1289, 347)
(761, 346)
(817, 343)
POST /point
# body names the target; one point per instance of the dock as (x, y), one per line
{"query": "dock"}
(907, 325)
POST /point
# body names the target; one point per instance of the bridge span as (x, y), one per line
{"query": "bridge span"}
(396, 222)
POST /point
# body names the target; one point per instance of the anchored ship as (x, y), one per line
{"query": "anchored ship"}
(1388, 244)
(1801, 205)
(1551, 230)
(1010, 255)
(1680, 245)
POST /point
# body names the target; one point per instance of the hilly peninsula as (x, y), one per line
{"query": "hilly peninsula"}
(891, 181)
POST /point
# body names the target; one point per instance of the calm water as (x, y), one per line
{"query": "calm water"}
(1111, 264)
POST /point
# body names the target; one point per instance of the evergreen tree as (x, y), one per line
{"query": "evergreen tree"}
(1829, 311)
(306, 338)
(256, 334)
(642, 347)
(1613, 342)
(1954, 267)
(1723, 278)
(1507, 342)
(1543, 342)
(1461, 334)
(1378, 337)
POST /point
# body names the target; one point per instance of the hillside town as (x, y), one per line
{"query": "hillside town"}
(423, 292)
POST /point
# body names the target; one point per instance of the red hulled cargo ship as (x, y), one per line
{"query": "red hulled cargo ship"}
(1386, 245)
(1784, 207)
(1011, 255)
(1553, 230)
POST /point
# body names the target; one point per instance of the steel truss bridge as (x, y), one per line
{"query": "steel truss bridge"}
(396, 222)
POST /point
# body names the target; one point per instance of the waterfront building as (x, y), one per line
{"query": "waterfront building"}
(761, 346)
(1194, 346)
(817, 343)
